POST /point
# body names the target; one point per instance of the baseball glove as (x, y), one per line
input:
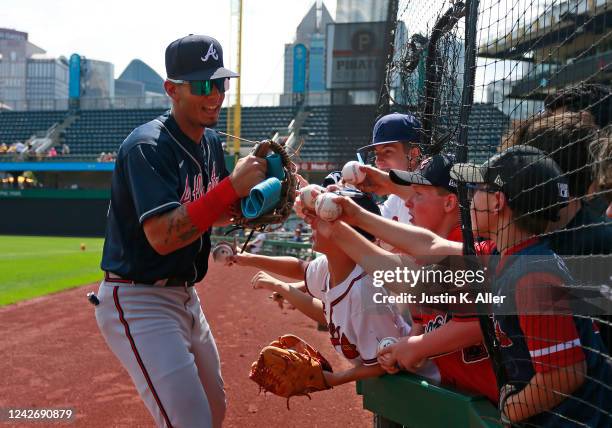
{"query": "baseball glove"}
(289, 366)
(288, 190)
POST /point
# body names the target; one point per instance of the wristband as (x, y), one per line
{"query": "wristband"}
(203, 212)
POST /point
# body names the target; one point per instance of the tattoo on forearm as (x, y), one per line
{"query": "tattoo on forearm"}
(180, 226)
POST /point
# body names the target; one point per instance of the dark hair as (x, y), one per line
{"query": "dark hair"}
(565, 137)
(592, 97)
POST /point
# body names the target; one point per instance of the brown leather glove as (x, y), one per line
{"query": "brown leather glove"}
(289, 366)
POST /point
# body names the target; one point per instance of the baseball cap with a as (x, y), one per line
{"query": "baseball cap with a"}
(393, 128)
(433, 171)
(196, 57)
(532, 181)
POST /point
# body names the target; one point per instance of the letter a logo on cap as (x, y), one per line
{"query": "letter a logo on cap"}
(211, 52)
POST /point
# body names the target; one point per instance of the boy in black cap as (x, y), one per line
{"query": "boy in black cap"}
(556, 372)
(169, 186)
(553, 361)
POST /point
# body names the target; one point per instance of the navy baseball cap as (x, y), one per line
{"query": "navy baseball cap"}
(433, 171)
(393, 128)
(196, 57)
(532, 181)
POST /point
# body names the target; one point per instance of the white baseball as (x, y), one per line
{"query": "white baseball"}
(387, 341)
(308, 195)
(352, 174)
(326, 208)
(221, 253)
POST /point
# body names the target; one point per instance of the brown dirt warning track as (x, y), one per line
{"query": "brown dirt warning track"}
(53, 356)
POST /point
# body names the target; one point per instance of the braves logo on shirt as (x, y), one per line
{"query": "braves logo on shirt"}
(503, 338)
(339, 339)
(470, 354)
(214, 178)
(198, 189)
(436, 323)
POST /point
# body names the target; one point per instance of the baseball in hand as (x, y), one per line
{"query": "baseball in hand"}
(352, 174)
(387, 341)
(326, 208)
(308, 195)
(222, 252)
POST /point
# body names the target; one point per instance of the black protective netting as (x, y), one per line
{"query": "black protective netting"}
(530, 82)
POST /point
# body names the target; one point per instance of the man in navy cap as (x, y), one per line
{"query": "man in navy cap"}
(169, 186)
(394, 146)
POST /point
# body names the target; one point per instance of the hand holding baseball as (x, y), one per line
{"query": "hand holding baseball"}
(403, 354)
(239, 259)
(352, 173)
(309, 194)
(350, 211)
(326, 207)
(222, 253)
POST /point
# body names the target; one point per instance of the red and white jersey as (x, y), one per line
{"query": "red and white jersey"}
(394, 208)
(356, 323)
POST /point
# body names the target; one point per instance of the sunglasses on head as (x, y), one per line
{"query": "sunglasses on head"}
(204, 87)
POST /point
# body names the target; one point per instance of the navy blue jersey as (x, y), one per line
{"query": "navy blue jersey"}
(158, 169)
(539, 343)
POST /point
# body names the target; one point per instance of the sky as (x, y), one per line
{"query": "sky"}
(119, 31)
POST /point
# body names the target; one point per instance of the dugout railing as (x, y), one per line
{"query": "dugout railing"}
(411, 401)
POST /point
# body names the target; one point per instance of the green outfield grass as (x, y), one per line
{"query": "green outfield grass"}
(33, 266)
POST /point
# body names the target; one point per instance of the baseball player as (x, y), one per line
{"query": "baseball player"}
(169, 186)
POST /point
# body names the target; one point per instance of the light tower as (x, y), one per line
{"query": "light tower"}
(234, 117)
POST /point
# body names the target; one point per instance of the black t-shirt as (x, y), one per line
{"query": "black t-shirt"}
(158, 168)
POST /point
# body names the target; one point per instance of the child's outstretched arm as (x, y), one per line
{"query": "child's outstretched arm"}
(291, 267)
(410, 351)
(413, 240)
(352, 374)
(306, 304)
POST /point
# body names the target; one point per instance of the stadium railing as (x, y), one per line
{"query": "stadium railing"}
(412, 401)
(276, 247)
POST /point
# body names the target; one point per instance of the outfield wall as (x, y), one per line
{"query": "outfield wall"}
(49, 212)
